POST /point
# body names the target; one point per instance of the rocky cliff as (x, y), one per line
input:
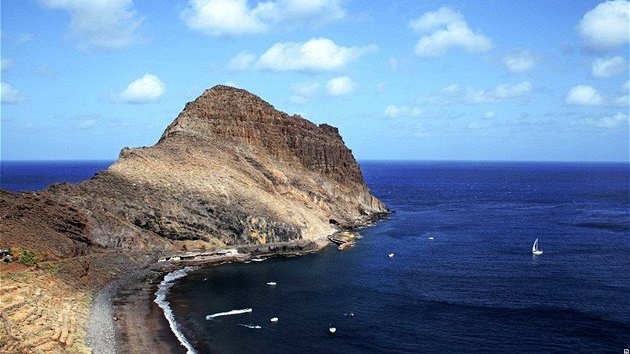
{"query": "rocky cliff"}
(230, 170)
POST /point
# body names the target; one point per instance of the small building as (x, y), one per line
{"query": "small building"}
(228, 252)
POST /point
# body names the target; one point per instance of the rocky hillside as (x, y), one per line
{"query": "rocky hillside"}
(231, 169)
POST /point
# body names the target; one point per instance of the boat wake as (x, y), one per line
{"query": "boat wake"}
(228, 313)
(252, 326)
(160, 300)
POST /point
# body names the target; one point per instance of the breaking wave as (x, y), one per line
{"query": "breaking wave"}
(160, 300)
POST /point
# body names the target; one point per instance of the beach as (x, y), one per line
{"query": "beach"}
(125, 319)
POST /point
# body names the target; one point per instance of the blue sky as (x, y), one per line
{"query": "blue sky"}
(422, 80)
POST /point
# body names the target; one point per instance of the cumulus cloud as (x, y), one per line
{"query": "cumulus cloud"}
(584, 95)
(111, 24)
(237, 17)
(606, 67)
(456, 94)
(222, 17)
(394, 111)
(606, 26)
(608, 122)
(148, 88)
(446, 29)
(317, 54)
(10, 95)
(340, 86)
(519, 60)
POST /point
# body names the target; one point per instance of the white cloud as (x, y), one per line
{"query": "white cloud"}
(432, 20)
(292, 12)
(111, 24)
(622, 99)
(237, 17)
(519, 60)
(242, 61)
(455, 94)
(303, 92)
(222, 17)
(317, 54)
(448, 30)
(608, 122)
(393, 111)
(606, 26)
(10, 95)
(584, 95)
(498, 94)
(340, 86)
(148, 88)
(606, 67)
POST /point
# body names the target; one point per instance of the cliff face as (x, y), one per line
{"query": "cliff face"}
(229, 170)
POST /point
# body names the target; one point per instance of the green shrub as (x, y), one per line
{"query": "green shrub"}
(28, 258)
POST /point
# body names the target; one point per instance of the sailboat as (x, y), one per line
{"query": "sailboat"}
(535, 249)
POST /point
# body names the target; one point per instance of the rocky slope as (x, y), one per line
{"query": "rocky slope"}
(230, 170)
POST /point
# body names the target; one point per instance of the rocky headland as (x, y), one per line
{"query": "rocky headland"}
(230, 171)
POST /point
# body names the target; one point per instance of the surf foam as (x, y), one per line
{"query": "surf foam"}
(160, 299)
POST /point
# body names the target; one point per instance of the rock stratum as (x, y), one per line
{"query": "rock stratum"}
(230, 170)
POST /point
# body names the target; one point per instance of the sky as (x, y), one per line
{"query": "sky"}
(413, 80)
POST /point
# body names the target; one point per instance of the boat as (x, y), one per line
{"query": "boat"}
(274, 319)
(332, 330)
(536, 250)
(272, 283)
(391, 255)
(229, 313)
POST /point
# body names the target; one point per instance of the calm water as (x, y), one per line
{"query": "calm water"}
(473, 288)
(20, 176)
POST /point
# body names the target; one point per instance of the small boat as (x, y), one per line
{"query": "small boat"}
(332, 330)
(431, 238)
(272, 283)
(536, 250)
(274, 319)
(391, 255)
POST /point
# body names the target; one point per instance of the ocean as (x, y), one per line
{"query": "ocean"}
(451, 270)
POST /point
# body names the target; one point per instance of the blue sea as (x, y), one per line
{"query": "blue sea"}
(461, 278)
(18, 176)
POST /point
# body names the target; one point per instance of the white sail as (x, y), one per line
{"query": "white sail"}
(535, 249)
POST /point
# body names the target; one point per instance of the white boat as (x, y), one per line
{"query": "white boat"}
(391, 255)
(536, 250)
(274, 319)
(332, 330)
(229, 313)
(272, 283)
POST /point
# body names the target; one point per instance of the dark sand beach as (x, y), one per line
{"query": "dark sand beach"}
(125, 319)
(139, 323)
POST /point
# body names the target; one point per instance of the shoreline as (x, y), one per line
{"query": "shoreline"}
(124, 317)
